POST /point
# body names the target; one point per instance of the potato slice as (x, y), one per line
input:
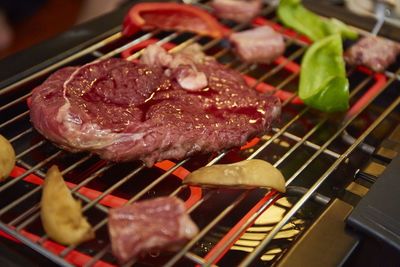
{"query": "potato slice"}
(7, 158)
(243, 174)
(61, 214)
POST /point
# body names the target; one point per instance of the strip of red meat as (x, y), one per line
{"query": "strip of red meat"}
(374, 52)
(157, 224)
(261, 44)
(237, 10)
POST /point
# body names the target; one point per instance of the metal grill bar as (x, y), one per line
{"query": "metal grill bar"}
(67, 250)
(242, 229)
(260, 149)
(39, 144)
(250, 257)
(106, 192)
(14, 119)
(30, 130)
(33, 169)
(62, 62)
(23, 215)
(33, 245)
(262, 209)
(360, 86)
(251, 220)
(195, 258)
(279, 133)
(137, 196)
(308, 143)
(300, 141)
(289, 99)
(205, 230)
(98, 256)
(295, 208)
(284, 83)
(95, 202)
(82, 197)
(87, 180)
(130, 44)
(16, 101)
(147, 36)
(284, 157)
(275, 165)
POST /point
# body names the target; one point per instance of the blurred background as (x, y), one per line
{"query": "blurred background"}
(24, 23)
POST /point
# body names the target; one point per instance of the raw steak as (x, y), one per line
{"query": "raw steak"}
(126, 111)
(160, 223)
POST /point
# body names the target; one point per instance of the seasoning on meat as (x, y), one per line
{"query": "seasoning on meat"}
(374, 52)
(7, 158)
(126, 111)
(157, 224)
(241, 11)
(242, 174)
(261, 44)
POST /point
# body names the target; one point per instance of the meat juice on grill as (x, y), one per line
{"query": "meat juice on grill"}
(126, 111)
(157, 224)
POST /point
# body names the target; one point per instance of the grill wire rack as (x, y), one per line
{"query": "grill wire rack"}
(316, 152)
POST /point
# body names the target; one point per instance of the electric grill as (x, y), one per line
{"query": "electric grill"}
(330, 162)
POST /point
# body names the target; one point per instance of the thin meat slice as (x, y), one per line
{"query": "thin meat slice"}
(241, 11)
(261, 44)
(157, 224)
(374, 52)
(125, 111)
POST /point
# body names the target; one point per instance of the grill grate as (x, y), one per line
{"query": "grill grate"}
(302, 131)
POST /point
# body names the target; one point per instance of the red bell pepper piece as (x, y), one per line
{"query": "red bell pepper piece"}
(171, 16)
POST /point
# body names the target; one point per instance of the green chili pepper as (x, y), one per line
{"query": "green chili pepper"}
(294, 15)
(337, 26)
(323, 83)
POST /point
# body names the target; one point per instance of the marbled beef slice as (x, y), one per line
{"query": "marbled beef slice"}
(126, 111)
